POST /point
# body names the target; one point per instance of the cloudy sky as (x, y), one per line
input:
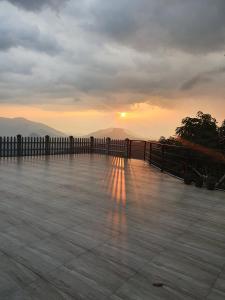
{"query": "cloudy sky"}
(76, 64)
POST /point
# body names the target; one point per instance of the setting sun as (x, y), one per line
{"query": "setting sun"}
(123, 114)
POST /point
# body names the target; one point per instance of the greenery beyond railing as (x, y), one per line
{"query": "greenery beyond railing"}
(184, 162)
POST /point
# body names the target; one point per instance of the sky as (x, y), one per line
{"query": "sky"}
(77, 64)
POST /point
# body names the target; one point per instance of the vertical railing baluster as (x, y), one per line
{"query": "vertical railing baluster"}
(24, 146)
(7, 146)
(3, 147)
(127, 148)
(145, 147)
(71, 139)
(47, 145)
(75, 145)
(38, 146)
(28, 146)
(150, 153)
(14, 146)
(57, 145)
(31, 146)
(19, 145)
(52, 146)
(108, 142)
(11, 146)
(64, 145)
(91, 144)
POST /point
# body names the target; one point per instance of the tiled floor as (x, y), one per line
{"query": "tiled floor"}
(96, 227)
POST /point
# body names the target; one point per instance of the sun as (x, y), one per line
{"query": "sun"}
(123, 114)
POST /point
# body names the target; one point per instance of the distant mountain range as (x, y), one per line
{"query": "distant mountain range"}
(12, 127)
(115, 133)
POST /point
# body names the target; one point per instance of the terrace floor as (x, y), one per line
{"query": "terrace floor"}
(96, 227)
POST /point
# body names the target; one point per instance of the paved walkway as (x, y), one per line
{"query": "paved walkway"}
(98, 227)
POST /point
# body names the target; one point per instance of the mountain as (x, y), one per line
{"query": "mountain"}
(14, 126)
(115, 133)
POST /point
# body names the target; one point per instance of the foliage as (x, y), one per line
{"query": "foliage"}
(222, 135)
(202, 130)
(170, 141)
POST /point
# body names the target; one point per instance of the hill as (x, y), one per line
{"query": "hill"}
(14, 126)
(115, 133)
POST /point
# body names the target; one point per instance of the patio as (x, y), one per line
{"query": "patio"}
(98, 227)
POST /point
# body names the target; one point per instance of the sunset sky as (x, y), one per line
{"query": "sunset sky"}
(76, 65)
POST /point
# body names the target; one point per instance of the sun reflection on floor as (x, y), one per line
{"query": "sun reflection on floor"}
(116, 185)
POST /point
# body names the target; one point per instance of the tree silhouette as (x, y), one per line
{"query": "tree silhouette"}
(222, 130)
(200, 130)
(222, 135)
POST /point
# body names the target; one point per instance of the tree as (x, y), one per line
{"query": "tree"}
(162, 140)
(222, 130)
(222, 135)
(169, 141)
(201, 130)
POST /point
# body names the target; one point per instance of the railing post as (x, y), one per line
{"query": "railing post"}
(127, 154)
(162, 157)
(108, 141)
(91, 144)
(71, 139)
(47, 145)
(150, 153)
(186, 161)
(145, 146)
(19, 145)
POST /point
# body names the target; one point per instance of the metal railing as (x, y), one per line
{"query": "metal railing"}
(180, 161)
(175, 160)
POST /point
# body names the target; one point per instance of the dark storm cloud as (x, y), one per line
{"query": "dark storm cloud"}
(195, 26)
(110, 52)
(24, 35)
(201, 78)
(36, 5)
(195, 81)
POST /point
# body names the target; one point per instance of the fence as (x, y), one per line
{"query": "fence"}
(173, 159)
(178, 160)
(36, 146)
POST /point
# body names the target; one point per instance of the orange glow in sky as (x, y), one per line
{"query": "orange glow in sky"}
(144, 119)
